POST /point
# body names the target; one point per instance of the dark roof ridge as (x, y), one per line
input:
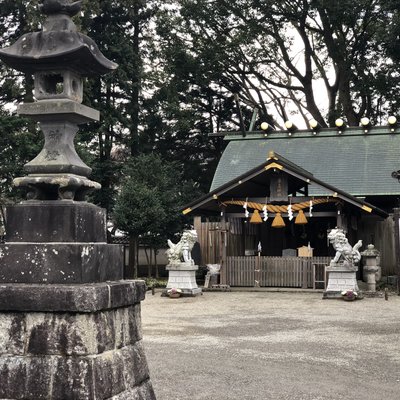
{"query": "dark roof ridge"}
(310, 133)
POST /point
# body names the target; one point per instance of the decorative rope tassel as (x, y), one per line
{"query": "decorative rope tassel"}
(256, 218)
(278, 221)
(301, 218)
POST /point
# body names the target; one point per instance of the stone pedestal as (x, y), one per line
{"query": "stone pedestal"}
(58, 242)
(69, 325)
(183, 276)
(370, 277)
(340, 278)
(72, 342)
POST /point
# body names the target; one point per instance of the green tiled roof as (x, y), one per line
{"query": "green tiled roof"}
(356, 162)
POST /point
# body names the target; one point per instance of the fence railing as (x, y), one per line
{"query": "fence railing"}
(274, 271)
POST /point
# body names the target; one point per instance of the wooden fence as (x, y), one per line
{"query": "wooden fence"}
(301, 272)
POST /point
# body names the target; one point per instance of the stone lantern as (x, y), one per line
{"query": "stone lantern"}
(371, 269)
(69, 323)
(59, 57)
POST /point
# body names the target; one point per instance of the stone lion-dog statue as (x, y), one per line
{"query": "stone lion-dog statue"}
(343, 249)
(181, 251)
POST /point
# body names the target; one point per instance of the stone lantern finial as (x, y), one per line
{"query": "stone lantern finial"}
(67, 7)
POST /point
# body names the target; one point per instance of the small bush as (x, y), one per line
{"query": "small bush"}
(155, 283)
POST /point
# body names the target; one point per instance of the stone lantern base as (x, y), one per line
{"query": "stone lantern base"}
(70, 327)
(73, 342)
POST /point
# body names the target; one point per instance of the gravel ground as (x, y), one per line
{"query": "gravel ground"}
(263, 345)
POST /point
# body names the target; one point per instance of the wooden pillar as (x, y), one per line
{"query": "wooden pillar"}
(223, 245)
(340, 218)
(396, 217)
(243, 236)
(200, 238)
(197, 223)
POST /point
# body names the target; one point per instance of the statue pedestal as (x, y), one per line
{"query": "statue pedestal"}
(340, 278)
(183, 276)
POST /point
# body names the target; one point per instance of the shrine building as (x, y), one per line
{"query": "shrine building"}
(276, 194)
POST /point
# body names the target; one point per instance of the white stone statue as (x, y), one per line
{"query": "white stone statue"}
(181, 252)
(343, 249)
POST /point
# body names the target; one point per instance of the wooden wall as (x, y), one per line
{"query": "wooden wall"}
(212, 236)
(381, 235)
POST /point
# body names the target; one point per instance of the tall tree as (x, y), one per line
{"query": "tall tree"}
(118, 27)
(20, 140)
(275, 53)
(147, 206)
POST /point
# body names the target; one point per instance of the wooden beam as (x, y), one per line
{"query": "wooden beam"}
(396, 217)
(320, 214)
(299, 199)
(253, 119)
(223, 244)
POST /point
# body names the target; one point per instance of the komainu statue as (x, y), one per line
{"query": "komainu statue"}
(351, 255)
(181, 252)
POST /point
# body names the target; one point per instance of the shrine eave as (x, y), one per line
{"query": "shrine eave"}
(213, 202)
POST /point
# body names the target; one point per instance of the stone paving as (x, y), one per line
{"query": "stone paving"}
(266, 345)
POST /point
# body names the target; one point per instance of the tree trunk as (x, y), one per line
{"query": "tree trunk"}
(155, 263)
(132, 271)
(2, 223)
(345, 99)
(150, 266)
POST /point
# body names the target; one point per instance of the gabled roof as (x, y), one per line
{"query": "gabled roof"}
(254, 183)
(357, 162)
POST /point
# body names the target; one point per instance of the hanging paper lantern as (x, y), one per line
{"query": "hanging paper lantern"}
(278, 221)
(256, 218)
(301, 218)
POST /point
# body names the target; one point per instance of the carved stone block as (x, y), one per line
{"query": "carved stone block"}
(55, 221)
(50, 263)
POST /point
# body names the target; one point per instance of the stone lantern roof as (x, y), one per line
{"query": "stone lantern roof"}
(58, 45)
